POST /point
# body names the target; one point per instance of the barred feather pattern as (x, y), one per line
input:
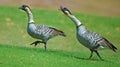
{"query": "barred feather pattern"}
(42, 32)
(88, 38)
(92, 40)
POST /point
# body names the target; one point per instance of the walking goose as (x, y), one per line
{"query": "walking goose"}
(39, 31)
(88, 38)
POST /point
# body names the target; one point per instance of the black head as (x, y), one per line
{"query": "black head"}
(65, 10)
(24, 7)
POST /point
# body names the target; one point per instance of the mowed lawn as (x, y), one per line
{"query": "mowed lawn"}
(15, 50)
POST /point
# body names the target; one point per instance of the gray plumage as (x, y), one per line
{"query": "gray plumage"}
(88, 38)
(39, 31)
(43, 32)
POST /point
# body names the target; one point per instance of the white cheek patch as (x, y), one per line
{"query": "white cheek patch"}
(26, 8)
(67, 12)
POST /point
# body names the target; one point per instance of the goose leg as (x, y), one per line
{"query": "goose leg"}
(98, 54)
(36, 42)
(45, 46)
(91, 54)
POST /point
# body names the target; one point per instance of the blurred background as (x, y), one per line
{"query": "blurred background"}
(101, 16)
(101, 7)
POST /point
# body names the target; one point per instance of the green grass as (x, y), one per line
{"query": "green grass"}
(14, 56)
(15, 50)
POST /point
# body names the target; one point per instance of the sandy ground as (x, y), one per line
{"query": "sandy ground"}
(100, 7)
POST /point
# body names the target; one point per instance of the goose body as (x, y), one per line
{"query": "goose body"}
(40, 31)
(88, 38)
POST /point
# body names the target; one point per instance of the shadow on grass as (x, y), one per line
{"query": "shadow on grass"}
(72, 55)
(56, 52)
(22, 47)
(87, 59)
(93, 59)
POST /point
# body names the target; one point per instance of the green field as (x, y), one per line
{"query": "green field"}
(15, 50)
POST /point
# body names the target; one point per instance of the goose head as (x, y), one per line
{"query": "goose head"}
(65, 10)
(24, 7)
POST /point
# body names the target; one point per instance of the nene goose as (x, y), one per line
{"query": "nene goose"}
(38, 31)
(88, 38)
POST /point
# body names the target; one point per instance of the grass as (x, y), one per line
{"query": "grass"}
(15, 50)
(12, 56)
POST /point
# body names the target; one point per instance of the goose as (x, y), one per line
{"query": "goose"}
(40, 32)
(88, 38)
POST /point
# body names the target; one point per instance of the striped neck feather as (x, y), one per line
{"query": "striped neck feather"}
(30, 16)
(75, 20)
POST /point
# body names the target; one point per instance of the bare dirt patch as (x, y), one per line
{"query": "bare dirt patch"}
(100, 7)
